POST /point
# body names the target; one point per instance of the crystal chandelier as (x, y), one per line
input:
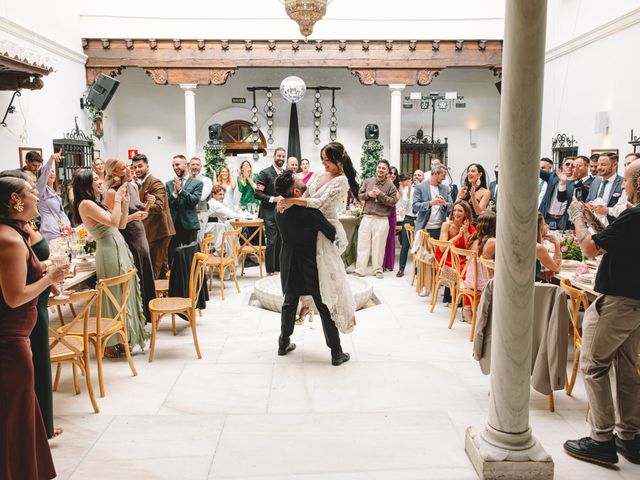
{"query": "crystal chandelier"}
(306, 13)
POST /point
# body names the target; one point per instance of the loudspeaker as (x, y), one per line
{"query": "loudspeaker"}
(371, 132)
(215, 133)
(101, 91)
(499, 87)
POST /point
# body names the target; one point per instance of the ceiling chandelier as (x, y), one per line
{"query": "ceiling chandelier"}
(306, 13)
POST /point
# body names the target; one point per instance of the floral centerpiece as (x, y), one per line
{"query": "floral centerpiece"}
(84, 235)
(569, 247)
(356, 208)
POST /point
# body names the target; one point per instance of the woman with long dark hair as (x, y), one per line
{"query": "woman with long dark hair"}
(475, 191)
(328, 192)
(24, 449)
(389, 260)
(113, 257)
(131, 227)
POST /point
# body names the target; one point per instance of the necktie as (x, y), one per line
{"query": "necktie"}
(602, 187)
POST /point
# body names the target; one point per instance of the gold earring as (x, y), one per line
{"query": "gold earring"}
(19, 206)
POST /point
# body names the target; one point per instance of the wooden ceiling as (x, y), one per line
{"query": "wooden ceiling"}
(205, 62)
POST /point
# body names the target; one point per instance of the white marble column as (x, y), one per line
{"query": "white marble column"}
(190, 118)
(395, 124)
(505, 447)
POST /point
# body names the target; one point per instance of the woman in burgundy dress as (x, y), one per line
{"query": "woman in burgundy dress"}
(390, 249)
(24, 449)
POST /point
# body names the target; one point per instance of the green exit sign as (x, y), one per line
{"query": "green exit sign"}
(238, 100)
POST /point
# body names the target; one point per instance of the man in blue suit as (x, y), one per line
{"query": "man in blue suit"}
(554, 202)
(432, 202)
(607, 186)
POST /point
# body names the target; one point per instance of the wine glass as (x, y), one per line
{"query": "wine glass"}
(60, 259)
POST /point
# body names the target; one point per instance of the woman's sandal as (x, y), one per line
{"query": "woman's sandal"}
(115, 351)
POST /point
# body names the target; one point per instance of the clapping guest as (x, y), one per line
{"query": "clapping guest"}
(305, 175)
(195, 170)
(483, 241)
(52, 214)
(247, 181)
(458, 230)
(226, 181)
(475, 191)
(113, 257)
(24, 451)
(132, 228)
(388, 264)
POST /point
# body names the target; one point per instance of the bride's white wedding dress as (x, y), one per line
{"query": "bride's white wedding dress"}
(334, 286)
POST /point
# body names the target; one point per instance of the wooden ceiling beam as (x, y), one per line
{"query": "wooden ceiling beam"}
(380, 62)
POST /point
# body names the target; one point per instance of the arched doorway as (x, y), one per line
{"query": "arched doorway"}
(237, 137)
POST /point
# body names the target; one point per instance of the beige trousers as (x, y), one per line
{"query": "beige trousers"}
(372, 240)
(611, 337)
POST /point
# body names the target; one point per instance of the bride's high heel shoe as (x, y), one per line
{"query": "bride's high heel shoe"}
(304, 312)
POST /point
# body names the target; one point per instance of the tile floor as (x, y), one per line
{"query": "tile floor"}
(397, 410)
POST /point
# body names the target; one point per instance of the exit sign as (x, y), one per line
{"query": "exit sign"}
(238, 100)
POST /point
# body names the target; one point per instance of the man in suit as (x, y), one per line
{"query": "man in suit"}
(431, 202)
(195, 170)
(607, 186)
(299, 229)
(266, 193)
(158, 225)
(552, 207)
(184, 196)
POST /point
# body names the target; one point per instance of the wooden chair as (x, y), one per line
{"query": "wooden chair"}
(102, 328)
(159, 307)
(247, 248)
(227, 260)
(463, 290)
(576, 299)
(489, 265)
(440, 280)
(73, 348)
(423, 262)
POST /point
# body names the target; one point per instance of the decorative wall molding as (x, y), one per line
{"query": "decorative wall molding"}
(603, 31)
(41, 41)
(204, 62)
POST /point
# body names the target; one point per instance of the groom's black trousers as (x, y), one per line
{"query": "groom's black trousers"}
(288, 318)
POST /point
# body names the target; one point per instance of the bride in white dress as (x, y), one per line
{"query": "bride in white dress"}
(328, 193)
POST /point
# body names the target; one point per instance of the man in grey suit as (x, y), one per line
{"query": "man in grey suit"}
(184, 195)
(432, 201)
(607, 186)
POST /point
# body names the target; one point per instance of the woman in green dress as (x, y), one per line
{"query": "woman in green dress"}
(39, 338)
(247, 185)
(113, 257)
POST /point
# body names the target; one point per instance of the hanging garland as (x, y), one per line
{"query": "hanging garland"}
(371, 155)
(214, 158)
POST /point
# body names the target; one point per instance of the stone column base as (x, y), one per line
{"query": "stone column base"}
(530, 461)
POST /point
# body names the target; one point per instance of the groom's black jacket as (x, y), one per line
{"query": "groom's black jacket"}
(299, 229)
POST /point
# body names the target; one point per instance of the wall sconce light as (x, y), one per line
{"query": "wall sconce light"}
(473, 136)
(602, 122)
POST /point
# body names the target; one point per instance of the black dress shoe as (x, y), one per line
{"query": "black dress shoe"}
(590, 450)
(629, 449)
(400, 273)
(344, 357)
(286, 349)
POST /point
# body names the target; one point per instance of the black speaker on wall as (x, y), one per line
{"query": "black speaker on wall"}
(102, 91)
(371, 131)
(499, 87)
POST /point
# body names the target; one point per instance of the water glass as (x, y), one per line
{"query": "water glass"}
(59, 260)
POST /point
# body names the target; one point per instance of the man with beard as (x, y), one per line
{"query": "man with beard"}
(266, 193)
(184, 195)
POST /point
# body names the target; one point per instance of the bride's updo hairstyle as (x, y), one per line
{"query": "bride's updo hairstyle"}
(337, 155)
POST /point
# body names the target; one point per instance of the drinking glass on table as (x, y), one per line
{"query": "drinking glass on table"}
(60, 259)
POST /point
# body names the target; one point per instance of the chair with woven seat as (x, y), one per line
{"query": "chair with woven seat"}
(102, 328)
(463, 290)
(227, 260)
(160, 307)
(73, 348)
(246, 247)
(489, 265)
(443, 273)
(577, 298)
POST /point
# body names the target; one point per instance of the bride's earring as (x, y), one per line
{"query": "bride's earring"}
(19, 206)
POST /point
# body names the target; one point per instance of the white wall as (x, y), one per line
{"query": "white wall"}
(267, 19)
(147, 111)
(594, 72)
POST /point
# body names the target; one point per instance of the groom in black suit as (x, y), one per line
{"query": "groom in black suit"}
(299, 229)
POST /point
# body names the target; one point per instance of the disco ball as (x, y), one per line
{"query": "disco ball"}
(293, 89)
